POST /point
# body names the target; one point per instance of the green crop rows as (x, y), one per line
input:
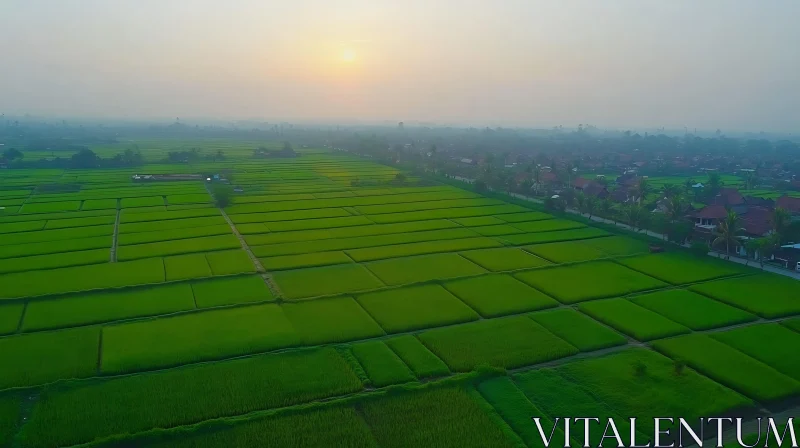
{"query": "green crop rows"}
(331, 305)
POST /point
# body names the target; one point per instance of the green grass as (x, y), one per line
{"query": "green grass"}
(304, 260)
(33, 359)
(56, 235)
(772, 344)
(553, 237)
(518, 411)
(79, 222)
(478, 221)
(497, 230)
(198, 198)
(230, 291)
(289, 215)
(142, 202)
(422, 362)
(107, 306)
(498, 295)
(506, 343)
(345, 232)
(401, 271)
(338, 279)
(556, 396)
(616, 246)
(46, 207)
(382, 365)
(10, 407)
(525, 216)
(178, 247)
(81, 278)
(548, 225)
(331, 244)
(128, 218)
(337, 319)
(126, 239)
(767, 295)
(422, 248)
(171, 225)
(692, 310)
(28, 226)
(632, 319)
(323, 223)
(330, 426)
(99, 204)
(462, 212)
(229, 262)
(53, 247)
(578, 329)
(195, 337)
(504, 259)
(436, 417)
(567, 251)
(679, 268)
(53, 261)
(185, 267)
(10, 316)
(424, 205)
(730, 367)
(793, 324)
(416, 307)
(594, 280)
(86, 411)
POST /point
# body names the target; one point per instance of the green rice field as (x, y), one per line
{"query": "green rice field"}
(331, 304)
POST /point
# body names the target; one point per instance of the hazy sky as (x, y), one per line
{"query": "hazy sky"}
(730, 64)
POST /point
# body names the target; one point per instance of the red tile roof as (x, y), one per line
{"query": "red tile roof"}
(789, 204)
(729, 196)
(580, 182)
(712, 212)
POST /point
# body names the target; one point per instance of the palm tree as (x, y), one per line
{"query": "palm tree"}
(780, 222)
(642, 189)
(727, 232)
(631, 215)
(714, 183)
(753, 247)
(670, 190)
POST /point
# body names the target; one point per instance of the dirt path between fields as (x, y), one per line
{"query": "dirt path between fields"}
(115, 237)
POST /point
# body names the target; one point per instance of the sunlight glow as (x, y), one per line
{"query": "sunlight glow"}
(348, 55)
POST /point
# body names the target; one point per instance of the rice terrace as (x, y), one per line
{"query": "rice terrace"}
(334, 301)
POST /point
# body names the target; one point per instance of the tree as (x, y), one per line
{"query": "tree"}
(630, 213)
(11, 154)
(591, 205)
(580, 202)
(727, 233)
(85, 158)
(780, 223)
(606, 209)
(714, 183)
(642, 189)
(223, 195)
(670, 190)
(400, 178)
(753, 248)
(287, 146)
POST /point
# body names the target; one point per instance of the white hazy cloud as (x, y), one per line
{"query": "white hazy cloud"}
(618, 63)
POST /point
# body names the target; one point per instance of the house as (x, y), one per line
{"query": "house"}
(709, 216)
(596, 189)
(628, 180)
(755, 201)
(467, 161)
(580, 183)
(728, 197)
(791, 205)
(620, 195)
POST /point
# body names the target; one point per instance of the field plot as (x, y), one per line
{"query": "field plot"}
(692, 310)
(445, 416)
(169, 398)
(337, 319)
(230, 291)
(772, 344)
(567, 252)
(215, 334)
(517, 410)
(69, 354)
(549, 225)
(793, 324)
(10, 316)
(304, 260)
(616, 246)
(382, 365)
(419, 359)
(730, 367)
(504, 259)
(554, 237)
(413, 308)
(185, 267)
(507, 343)
(498, 230)
(52, 261)
(578, 329)
(178, 247)
(572, 284)
(328, 280)
(767, 295)
(107, 306)
(429, 247)
(54, 247)
(169, 235)
(524, 216)
(55, 235)
(402, 271)
(82, 278)
(498, 295)
(679, 268)
(632, 319)
(230, 262)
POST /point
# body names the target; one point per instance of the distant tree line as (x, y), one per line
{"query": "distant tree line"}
(85, 158)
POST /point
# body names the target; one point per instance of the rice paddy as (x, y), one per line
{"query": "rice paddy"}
(314, 311)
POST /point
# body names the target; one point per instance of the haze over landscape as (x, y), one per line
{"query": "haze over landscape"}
(707, 65)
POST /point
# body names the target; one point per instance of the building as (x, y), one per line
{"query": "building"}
(791, 205)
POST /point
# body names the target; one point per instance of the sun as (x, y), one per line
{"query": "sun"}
(348, 55)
